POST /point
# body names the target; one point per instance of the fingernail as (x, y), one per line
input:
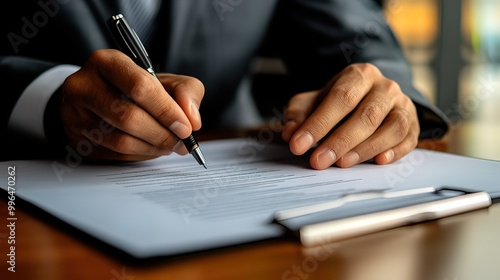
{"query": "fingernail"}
(304, 142)
(350, 159)
(326, 159)
(195, 112)
(180, 129)
(389, 155)
(179, 148)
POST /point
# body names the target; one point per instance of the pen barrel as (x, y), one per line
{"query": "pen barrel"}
(128, 41)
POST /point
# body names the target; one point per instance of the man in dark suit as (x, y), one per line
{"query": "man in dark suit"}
(345, 81)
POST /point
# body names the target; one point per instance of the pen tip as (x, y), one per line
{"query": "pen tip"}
(204, 165)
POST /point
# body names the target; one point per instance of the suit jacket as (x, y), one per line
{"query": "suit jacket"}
(214, 41)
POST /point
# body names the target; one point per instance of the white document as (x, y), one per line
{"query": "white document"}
(171, 205)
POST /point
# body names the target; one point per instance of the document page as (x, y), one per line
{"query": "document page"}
(171, 205)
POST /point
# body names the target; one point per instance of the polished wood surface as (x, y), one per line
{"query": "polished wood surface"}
(461, 247)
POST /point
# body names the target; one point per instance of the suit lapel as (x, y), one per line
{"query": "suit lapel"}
(104, 9)
(178, 16)
(183, 23)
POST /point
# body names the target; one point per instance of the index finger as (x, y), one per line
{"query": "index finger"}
(143, 89)
(188, 92)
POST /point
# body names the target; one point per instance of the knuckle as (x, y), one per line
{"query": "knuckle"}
(71, 85)
(74, 84)
(365, 68)
(392, 86)
(142, 86)
(357, 69)
(133, 120)
(99, 56)
(194, 84)
(122, 144)
(373, 147)
(342, 143)
(190, 85)
(321, 125)
(127, 116)
(348, 97)
(167, 115)
(402, 122)
(372, 115)
(75, 90)
(408, 104)
(370, 68)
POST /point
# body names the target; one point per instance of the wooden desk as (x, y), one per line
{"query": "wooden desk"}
(465, 246)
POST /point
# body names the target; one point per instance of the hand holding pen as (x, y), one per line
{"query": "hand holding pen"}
(130, 44)
(114, 110)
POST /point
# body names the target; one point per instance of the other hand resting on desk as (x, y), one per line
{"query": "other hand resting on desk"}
(380, 120)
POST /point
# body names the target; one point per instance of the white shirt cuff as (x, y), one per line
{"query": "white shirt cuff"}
(27, 116)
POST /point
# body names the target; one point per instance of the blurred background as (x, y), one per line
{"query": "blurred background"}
(454, 49)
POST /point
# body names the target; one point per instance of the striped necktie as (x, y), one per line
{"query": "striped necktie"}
(141, 15)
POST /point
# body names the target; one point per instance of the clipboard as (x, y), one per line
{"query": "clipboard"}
(158, 208)
(435, 203)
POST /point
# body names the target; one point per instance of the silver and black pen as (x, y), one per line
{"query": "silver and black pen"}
(130, 44)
